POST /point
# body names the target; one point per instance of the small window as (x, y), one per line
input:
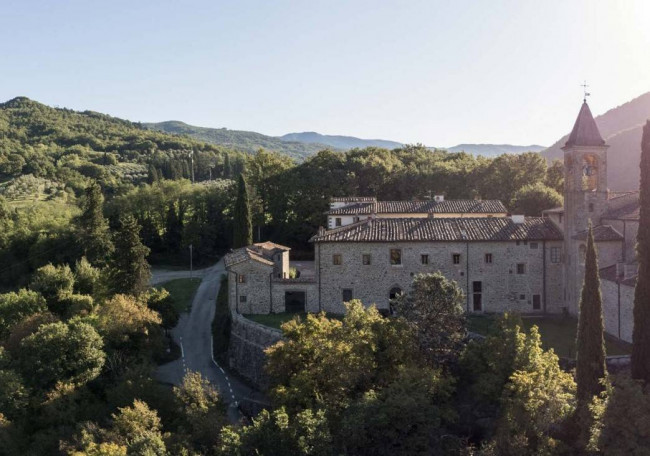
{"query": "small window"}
(555, 255)
(347, 294)
(338, 221)
(365, 259)
(534, 245)
(477, 287)
(521, 268)
(337, 259)
(456, 258)
(424, 259)
(355, 219)
(525, 242)
(395, 256)
(518, 242)
(241, 278)
(522, 297)
(242, 298)
(488, 258)
(591, 207)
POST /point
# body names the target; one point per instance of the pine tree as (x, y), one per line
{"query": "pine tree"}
(93, 228)
(243, 226)
(590, 359)
(129, 270)
(641, 333)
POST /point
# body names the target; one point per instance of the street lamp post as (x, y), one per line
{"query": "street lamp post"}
(191, 268)
(191, 154)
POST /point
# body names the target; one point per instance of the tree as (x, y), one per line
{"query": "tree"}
(533, 199)
(590, 343)
(555, 176)
(200, 411)
(86, 278)
(53, 282)
(94, 234)
(641, 332)
(433, 308)
(173, 229)
(243, 227)
(139, 429)
(278, 434)
(59, 352)
(129, 270)
(15, 307)
(124, 318)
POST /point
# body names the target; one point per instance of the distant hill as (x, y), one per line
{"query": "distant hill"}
(245, 141)
(493, 150)
(339, 142)
(621, 128)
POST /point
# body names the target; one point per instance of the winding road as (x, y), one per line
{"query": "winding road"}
(194, 336)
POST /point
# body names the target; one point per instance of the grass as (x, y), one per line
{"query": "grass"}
(182, 292)
(558, 333)
(276, 320)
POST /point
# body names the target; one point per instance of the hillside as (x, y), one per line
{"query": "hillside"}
(245, 141)
(621, 128)
(493, 150)
(339, 142)
(62, 146)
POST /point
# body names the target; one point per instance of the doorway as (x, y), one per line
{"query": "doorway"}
(477, 296)
(294, 301)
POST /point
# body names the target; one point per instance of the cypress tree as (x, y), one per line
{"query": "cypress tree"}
(129, 270)
(590, 359)
(93, 229)
(173, 229)
(641, 333)
(243, 234)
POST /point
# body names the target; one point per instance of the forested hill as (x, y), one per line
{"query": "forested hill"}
(493, 150)
(66, 146)
(621, 128)
(340, 142)
(246, 141)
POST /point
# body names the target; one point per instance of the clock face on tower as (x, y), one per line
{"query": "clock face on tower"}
(589, 172)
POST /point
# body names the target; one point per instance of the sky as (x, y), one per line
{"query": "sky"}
(433, 72)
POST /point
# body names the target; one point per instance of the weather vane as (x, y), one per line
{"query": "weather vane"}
(584, 87)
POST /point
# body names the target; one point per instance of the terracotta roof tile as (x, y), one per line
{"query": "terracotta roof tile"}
(442, 229)
(601, 233)
(585, 131)
(423, 207)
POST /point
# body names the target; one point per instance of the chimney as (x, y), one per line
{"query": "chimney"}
(321, 231)
(518, 219)
(439, 198)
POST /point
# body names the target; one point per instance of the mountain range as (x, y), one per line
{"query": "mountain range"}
(621, 128)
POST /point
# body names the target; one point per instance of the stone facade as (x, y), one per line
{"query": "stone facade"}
(503, 286)
(618, 308)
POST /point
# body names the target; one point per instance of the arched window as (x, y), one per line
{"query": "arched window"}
(589, 172)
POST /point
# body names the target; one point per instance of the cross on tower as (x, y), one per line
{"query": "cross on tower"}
(584, 88)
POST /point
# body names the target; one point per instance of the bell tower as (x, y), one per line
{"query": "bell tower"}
(585, 195)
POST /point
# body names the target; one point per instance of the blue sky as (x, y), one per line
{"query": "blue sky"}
(436, 72)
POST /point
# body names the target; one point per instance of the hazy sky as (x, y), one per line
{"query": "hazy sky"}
(436, 72)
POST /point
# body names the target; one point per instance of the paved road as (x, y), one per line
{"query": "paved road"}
(164, 275)
(194, 335)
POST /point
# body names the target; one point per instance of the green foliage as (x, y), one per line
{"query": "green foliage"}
(139, 429)
(125, 321)
(54, 283)
(93, 229)
(14, 307)
(434, 310)
(129, 270)
(277, 434)
(532, 199)
(641, 332)
(590, 356)
(159, 300)
(508, 173)
(243, 227)
(537, 399)
(59, 352)
(87, 278)
(555, 176)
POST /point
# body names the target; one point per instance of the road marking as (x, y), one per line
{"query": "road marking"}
(232, 394)
(182, 351)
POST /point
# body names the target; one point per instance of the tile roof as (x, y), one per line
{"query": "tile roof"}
(601, 233)
(268, 245)
(423, 207)
(353, 199)
(628, 212)
(244, 254)
(442, 229)
(611, 273)
(585, 131)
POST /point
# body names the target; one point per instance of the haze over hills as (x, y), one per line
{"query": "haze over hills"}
(305, 144)
(621, 128)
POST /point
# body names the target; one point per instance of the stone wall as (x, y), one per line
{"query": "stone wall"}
(307, 286)
(618, 309)
(255, 290)
(502, 287)
(248, 340)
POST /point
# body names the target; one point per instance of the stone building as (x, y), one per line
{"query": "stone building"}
(372, 249)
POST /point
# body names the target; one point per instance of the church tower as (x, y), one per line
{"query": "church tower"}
(585, 196)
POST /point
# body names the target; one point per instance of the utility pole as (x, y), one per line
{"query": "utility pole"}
(191, 269)
(192, 163)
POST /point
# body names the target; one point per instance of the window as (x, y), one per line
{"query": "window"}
(424, 259)
(555, 255)
(521, 268)
(591, 207)
(537, 302)
(395, 256)
(337, 259)
(456, 258)
(355, 219)
(241, 278)
(365, 259)
(525, 242)
(242, 298)
(518, 242)
(338, 221)
(347, 294)
(488, 258)
(534, 245)
(522, 297)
